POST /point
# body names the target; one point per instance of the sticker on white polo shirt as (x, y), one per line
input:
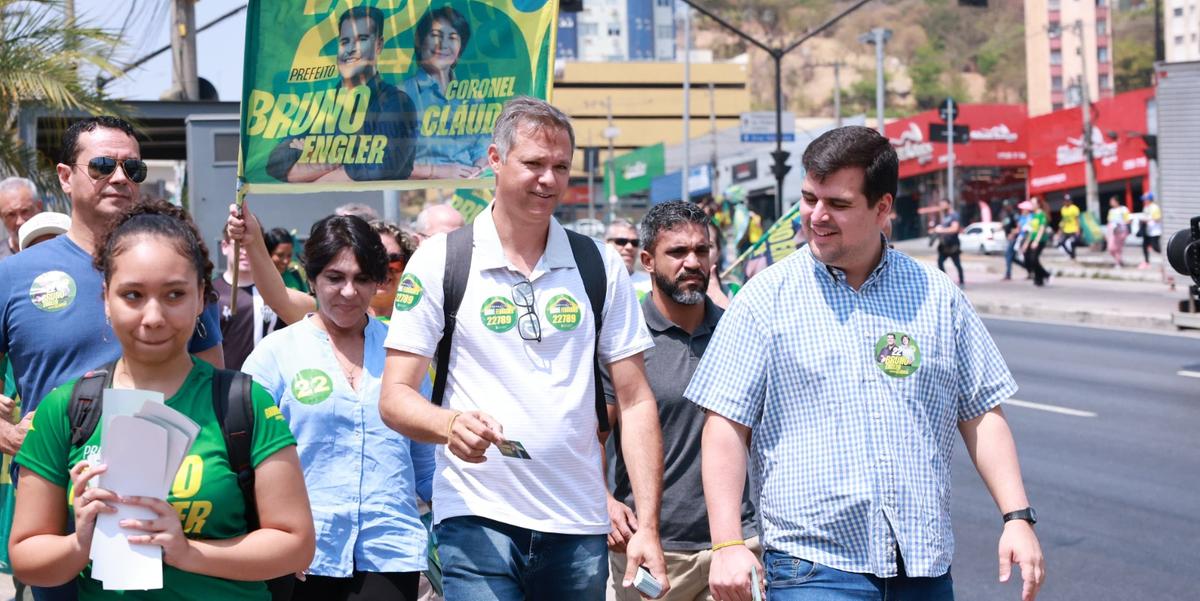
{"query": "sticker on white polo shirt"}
(311, 386)
(897, 354)
(52, 291)
(564, 312)
(409, 292)
(498, 314)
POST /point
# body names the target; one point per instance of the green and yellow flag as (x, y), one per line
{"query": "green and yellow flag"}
(385, 94)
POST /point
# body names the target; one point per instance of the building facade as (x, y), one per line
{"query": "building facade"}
(1068, 44)
(1181, 30)
(618, 30)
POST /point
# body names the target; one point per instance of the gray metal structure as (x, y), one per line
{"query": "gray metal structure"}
(212, 153)
(1178, 187)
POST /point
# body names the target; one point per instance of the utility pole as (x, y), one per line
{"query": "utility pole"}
(712, 124)
(780, 168)
(590, 157)
(837, 89)
(878, 36)
(611, 132)
(1092, 194)
(687, 104)
(183, 49)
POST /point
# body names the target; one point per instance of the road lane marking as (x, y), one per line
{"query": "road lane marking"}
(1050, 408)
(1187, 373)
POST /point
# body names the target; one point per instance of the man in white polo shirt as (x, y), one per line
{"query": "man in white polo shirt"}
(519, 497)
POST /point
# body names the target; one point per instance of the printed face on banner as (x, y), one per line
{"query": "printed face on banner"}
(336, 96)
(358, 47)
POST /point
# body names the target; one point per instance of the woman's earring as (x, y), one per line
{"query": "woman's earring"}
(200, 329)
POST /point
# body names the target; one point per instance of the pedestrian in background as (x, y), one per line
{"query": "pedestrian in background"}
(282, 247)
(1014, 229)
(157, 279)
(949, 245)
(1068, 226)
(1118, 230)
(1037, 233)
(853, 453)
(1151, 229)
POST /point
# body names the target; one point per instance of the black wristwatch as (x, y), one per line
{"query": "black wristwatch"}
(1027, 514)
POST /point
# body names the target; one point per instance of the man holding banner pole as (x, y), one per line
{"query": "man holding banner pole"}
(519, 506)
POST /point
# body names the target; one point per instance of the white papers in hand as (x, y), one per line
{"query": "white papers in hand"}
(135, 451)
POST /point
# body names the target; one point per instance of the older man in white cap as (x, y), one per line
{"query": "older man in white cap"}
(43, 227)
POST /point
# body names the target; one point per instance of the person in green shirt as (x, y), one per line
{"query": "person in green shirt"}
(281, 247)
(1038, 232)
(157, 277)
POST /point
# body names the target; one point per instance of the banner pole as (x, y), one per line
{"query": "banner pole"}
(233, 292)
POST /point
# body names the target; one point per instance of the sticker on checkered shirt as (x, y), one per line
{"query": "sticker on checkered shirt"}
(897, 354)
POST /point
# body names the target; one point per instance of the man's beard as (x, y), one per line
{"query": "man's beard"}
(670, 286)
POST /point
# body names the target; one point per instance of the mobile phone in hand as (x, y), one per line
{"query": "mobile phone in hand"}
(646, 584)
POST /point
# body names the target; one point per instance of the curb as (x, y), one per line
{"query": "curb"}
(1102, 319)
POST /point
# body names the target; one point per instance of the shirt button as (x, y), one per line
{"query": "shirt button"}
(876, 415)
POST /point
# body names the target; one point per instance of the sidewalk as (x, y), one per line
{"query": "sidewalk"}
(1088, 291)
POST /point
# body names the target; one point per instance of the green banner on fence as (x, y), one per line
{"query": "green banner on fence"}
(374, 94)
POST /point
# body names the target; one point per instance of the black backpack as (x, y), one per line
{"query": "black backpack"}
(459, 245)
(234, 407)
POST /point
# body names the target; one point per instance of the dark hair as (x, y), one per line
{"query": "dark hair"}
(668, 216)
(449, 15)
(856, 146)
(275, 237)
(70, 147)
(332, 234)
(157, 218)
(368, 12)
(405, 240)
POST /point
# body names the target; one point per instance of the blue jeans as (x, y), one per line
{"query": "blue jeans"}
(793, 579)
(485, 560)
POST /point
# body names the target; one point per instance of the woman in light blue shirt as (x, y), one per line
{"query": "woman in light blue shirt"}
(441, 36)
(363, 478)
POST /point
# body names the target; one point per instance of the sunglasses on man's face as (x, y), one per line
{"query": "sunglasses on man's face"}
(624, 241)
(102, 167)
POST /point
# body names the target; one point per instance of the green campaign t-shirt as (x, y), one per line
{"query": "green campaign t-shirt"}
(205, 491)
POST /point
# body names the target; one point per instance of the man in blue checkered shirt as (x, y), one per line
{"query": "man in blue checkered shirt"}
(852, 434)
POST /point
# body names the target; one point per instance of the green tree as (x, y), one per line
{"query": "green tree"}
(1133, 49)
(40, 56)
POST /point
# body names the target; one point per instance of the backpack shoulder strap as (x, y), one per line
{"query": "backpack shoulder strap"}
(234, 408)
(459, 246)
(86, 403)
(591, 270)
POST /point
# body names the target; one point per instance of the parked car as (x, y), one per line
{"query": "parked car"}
(984, 237)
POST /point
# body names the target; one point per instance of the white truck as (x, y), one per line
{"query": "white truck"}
(1178, 130)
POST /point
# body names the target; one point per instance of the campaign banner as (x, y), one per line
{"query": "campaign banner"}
(385, 94)
(783, 238)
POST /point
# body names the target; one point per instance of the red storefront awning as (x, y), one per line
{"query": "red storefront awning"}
(1056, 143)
(1050, 146)
(997, 139)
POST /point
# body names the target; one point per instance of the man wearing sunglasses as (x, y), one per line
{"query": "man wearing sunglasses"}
(520, 471)
(623, 238)
(52, 324)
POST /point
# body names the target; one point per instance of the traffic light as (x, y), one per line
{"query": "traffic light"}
(780, 168)
(1151, 150)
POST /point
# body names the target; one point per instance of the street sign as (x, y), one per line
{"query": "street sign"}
(948, 110)
(937, 133)
(759, 126)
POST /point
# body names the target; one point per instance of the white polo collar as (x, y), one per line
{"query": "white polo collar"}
(489, 254)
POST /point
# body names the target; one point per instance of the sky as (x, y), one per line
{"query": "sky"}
(146, 26)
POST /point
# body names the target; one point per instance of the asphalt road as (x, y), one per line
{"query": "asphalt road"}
(1115, 481)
